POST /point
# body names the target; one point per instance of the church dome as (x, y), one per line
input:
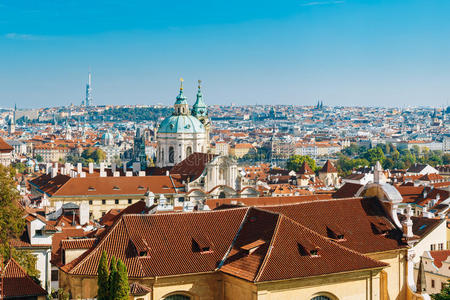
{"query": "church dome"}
(181, 124)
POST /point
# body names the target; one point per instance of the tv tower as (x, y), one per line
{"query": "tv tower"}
(88, 100)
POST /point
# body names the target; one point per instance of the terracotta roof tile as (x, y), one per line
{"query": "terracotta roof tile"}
(439, 256)
(17, 283)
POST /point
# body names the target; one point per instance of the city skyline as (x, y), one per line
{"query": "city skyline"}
(388, 53)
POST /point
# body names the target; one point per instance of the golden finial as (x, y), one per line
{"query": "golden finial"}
(181, 80)
(199, 84)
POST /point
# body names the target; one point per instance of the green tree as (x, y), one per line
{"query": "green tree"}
(12, 224)
(39, 158)
(20, 167)
(375, 154)
(123, 289)
(102, 278)
(444, 294)
(296, 161)
(113, 278)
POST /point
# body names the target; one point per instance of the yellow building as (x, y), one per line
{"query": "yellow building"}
(314, 250)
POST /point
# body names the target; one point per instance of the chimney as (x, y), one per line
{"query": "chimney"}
(124, 168)
(102, 170)
(136, 167)
(79, 168)
(167, 173)
(84, 212)
(56, 166)
(48, 168)
(91, 168)
(68, 167)
(116, 174)
(63, 171)
(149, 198)
(407, 224)
(113, 167)
(128, 174)
(141, 173)
(82, 174)
(378, 175)
(54, 172)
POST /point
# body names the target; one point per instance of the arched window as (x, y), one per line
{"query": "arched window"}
(177, 297)
(322, 297)
(188, 151)
(171, 155)
(221, 174)
(222, 195)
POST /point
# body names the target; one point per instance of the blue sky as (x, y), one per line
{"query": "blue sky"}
(345, 52)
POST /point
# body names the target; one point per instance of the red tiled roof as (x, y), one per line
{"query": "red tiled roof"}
(251, 243)
(168, 250)
(193, 166)
(137, 289)
(439, 256)
(305, 169)
(17, 283)
(328, 168)
(79, 243)
(348, 190)
(264, 201)
(4, 146)
(63, 185)
(357, 214)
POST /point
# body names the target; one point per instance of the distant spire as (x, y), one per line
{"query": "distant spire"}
(181, 84)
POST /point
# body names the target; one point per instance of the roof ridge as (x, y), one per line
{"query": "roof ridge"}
(312, 201)
(334, 243)
(269, 250)
(224, 258)
(132, 240)
(12, 260)
(95, 248)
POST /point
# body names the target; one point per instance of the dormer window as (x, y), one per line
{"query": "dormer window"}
(143, 253)
(91, 188)
(253, 246)
(116, 188)
(335, 232)
(201, 244)
(306, 248)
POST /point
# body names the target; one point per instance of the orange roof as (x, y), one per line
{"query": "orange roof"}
(439, 256)
(17, 283)
(63, 185)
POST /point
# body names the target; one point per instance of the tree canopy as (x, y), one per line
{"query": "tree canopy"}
(12, 224)
(296, 161)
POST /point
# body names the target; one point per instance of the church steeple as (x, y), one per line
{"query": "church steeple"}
(199, 109)
(181, 106)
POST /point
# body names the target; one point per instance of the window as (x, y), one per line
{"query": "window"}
(441, 246)
(433, 247)
(90, 202)
(116, 201)
(54, 275)
(129, 201)
(188, 151)
(38, 232)
(103, 201)
(103, 213)
(171, 155)
(321, 298)
(432, 283)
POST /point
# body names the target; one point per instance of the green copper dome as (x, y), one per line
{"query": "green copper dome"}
(181, 124)
(199, 109)
(181, 99)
